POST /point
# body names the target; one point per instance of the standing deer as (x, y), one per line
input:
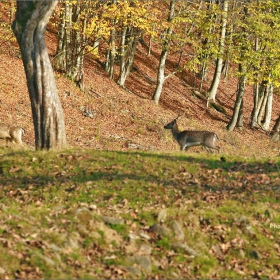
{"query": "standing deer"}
(189, 138)
(11, 134)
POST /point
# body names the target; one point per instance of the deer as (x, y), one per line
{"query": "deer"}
(190, 138)
(11, 134)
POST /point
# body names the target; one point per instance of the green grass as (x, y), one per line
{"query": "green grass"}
(51, 205)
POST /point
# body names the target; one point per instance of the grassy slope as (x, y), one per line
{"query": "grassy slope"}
(51, 204)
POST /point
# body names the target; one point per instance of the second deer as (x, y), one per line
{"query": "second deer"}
(11, 134)
(190, 138)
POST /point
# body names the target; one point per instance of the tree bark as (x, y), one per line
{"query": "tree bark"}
(268, 107)
(219, 62)
(238, 110)
(276, 130)
(29, 27)
(160, 76)
(128, 49)
(163, 56)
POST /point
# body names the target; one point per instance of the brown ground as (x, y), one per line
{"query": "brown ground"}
(126, 121)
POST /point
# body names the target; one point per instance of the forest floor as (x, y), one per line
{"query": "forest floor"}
(128, 119)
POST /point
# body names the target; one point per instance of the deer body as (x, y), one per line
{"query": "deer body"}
(11, 133)
(190, 138)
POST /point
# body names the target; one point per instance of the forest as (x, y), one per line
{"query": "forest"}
(239, 38)
(235, 38)
(98, 188)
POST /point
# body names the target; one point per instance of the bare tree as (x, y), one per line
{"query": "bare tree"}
(164, 53)
(29, 28)
(219, 62)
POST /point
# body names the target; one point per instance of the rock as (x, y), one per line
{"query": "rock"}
(216, 250)
(242, 221)
(185, 247)
(178, 231)
(245, 226)
(161, 216)
(132, 236)
(174, 275)
(109, 235)
(161, 230)
(54, 247)
(133, 270)
(143, 261)
(249, 231)
(145, 249)
(83, 215)
(72, 243)
(48, 261)
(131, 248)
(82, 229)
(242, 253)
(256, 254)
(95, 234)
(144, 235)
(112, 221)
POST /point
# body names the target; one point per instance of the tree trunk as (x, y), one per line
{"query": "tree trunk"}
(262, 106)
(29, 27)
(276, 130)
(126, 62)
(164, 53)
(268, 107)
(240, 118)
(254, 115)
(60, 61)
(219, 62)
(239, 100)
(160, 76)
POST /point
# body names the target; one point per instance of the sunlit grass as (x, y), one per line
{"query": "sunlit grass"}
(42, 192)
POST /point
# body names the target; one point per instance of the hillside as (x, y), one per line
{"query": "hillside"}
(129, 120)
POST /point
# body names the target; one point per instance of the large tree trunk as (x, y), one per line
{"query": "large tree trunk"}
(29, 27)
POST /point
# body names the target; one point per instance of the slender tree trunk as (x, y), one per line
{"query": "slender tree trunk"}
(164, 53)
(60, 61)
(126, 64)
(160, 76)
(268, 107)
(111, 55)
(240, 118)
(29, 27)
(68, 37)
(239, 99)
(111, 52)
(256, 90)
(262, 106)
(254, 115)
(219, 62)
